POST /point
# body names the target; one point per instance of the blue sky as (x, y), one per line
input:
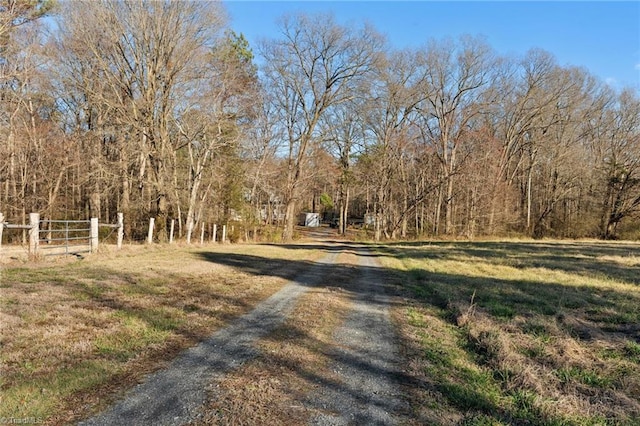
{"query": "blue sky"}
(602, 36)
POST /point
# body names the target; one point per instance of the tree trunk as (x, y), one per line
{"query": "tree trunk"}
(162, 217)
(437, 212)
(126, 201)
(344, 211)
(289, 220)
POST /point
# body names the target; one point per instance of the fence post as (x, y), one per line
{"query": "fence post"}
(1, 227)
(215, 231)
(34, 233)
(150, 235)
(224, 233)
(93, 234)
(120, 229)
(173, 224)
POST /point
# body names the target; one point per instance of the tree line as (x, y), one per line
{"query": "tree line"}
(158, 109)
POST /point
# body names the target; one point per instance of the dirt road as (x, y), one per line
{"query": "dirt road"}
(363, 357)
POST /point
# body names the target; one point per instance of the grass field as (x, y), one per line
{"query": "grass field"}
(495, 333)
(540, 333)
(75, 334)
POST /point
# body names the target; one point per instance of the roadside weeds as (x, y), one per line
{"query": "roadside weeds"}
(520, 333)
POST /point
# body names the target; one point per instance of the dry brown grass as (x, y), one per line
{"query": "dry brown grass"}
(75, 334)
(273, 388)
(495, 333)
(540, 333)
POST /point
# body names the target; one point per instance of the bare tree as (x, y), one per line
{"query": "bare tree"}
(394, 99)
(553, 150)
(150, 58)
(311, 68)
(211, 121)
(617, 144)
(457, 74)
(343, 130)
(521, 91)
(23, 94)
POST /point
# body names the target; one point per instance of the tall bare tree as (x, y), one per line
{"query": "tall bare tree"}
(457, 74)
(211, 122)
(22, 129)
(313, 66)
(343, 130)
(617, 143)
(522, 98)
(394, 98)
(151, 57)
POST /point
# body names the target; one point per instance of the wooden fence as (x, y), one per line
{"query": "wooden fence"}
(222, 238)
(60, 237)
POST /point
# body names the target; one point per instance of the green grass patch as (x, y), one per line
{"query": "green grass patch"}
(499, 309)
(40, 397)
(632, 350)
(584, 376)
(136, 335)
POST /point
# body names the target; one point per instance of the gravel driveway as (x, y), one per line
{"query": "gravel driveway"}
(365, 357)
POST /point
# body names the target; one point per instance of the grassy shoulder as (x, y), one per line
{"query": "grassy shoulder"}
(74, 335)
(539, 333)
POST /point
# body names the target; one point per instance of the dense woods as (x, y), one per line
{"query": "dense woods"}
(158, 109)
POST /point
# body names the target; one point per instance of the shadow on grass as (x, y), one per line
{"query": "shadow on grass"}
(607, 311)
(502, 298)
(589, 259)
(161, 303)
(129, 323)
(358, 361)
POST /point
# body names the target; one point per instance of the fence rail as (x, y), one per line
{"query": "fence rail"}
(68, 235)
(10, 226)
(56, 237)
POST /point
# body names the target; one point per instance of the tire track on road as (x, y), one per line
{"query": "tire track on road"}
(366, 359)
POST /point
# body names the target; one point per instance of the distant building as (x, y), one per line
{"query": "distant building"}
(369, 219)
(309, 219)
